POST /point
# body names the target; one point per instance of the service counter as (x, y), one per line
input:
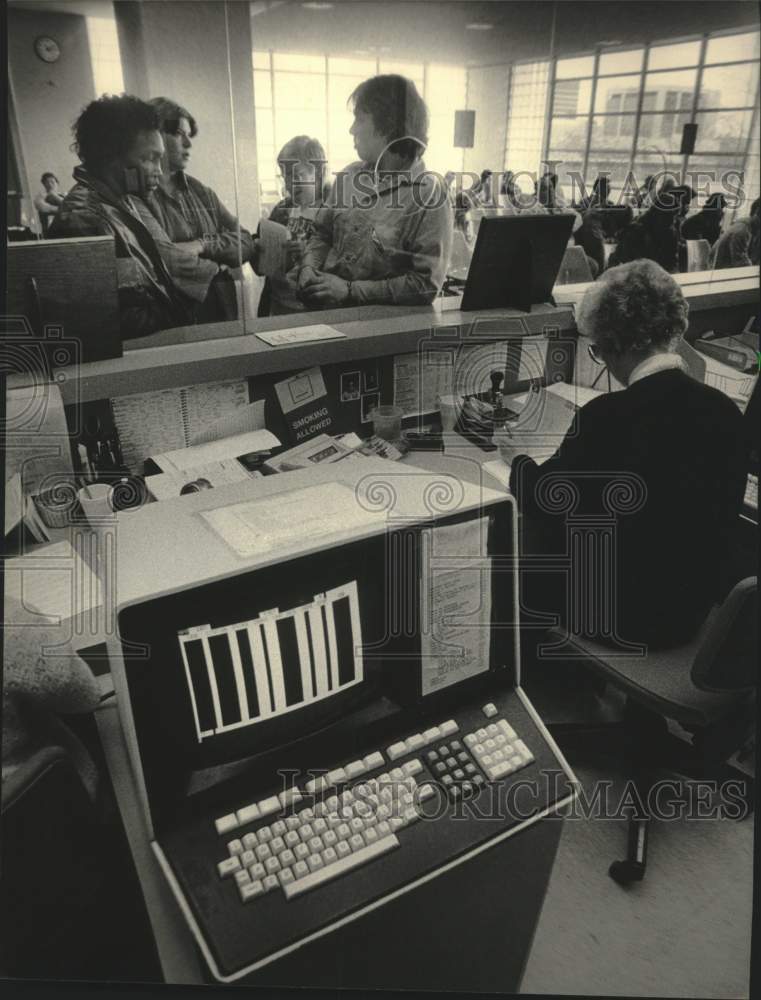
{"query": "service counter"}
(721, 301)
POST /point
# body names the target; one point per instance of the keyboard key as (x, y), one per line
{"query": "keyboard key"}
(271, 865)
(459, 774)
(301, 851)
(470, 767)
(319, 826)
(396, 822)
(343, 831)
(285, 876)
(315, 845)
(440, 768)
(432, 735)
(410, 815)
(229, 866)
(290, 796)
(383, 828)
(356, 825)
(314, 861)
(330, 838)
(451, 762)
(507, 729)
(316, 784)
(242, 877)
(356, 842)
(523, 750)
(263, 852)
(490, 744)
(306, 814)
(447, 780)
(492, 729)
(277, 845)
(226, 823)
(397, 774)
(270, 882)
(292, 838)
(471, 740)
(292, 822)
(270, 805)
(337, 777)
(489, 710)
(516, 761)
(425, 792)
(396, 750)
(300, 869)
(329, 855)
(248, 814)
(344, 864)
(444, 750)
(251, 891)
(278, 828)
(414, 742)
(287, 857)
(249, 841)
(370, 835)
(432, 756)
(373, 760)
(235, 847)
(412, 767)
(463, 757)
(455, 746)
(354, 769)
(247, 858)
(306, 832)
(264, 835)
(448, 727)
(482, 735)
(257, 871)
(343, 849)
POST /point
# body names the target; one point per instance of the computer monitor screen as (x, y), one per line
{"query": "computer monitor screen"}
(516, 261)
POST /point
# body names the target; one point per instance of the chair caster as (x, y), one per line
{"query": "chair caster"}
(626, 872)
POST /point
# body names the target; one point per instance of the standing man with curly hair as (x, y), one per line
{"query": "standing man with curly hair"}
(682, 439)
(385, 235)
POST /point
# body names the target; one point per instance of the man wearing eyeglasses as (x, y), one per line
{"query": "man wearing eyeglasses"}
(679, 442)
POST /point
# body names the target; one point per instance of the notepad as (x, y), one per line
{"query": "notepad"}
(55, 581)
(301, 335)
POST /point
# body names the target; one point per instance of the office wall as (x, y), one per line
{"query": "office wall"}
(487, 96)
(48, 96)
(179, 50)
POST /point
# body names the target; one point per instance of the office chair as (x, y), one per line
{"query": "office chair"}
(706, 685)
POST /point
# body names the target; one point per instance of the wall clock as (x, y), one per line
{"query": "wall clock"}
(47, 49)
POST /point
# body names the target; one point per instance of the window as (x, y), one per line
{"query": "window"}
(525, 126)
(104, 55)
(643, 98)
(297, 93)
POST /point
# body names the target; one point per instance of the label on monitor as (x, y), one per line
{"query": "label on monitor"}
(455, 614)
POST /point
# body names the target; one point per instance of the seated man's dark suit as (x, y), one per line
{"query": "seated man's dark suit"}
(684, 441)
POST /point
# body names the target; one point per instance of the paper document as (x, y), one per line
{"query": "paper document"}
(150, 423)
(455, 614)
(240, 421)
(55, 581)
(419, 379)
(272, 257)
(167, 485)
(578, 395)
(33, 410)
(188, 459)
(286, 519)
(14, 503)
(301, 335)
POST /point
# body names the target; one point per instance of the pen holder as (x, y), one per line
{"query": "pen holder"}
(96, 504)
(57, 505)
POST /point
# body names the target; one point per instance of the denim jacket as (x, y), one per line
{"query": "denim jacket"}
(393, 243)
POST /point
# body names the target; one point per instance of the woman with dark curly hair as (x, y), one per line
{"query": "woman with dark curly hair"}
(676, 443)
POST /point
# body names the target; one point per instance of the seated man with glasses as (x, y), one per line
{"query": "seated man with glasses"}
(677, 443)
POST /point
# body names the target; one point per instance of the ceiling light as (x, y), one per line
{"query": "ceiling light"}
(317, 5)
(479, 26)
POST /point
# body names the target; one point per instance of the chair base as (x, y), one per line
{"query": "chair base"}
(643, 742)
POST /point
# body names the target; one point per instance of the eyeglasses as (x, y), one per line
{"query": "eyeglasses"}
(594, 355)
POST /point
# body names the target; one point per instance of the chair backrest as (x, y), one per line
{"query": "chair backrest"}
(574, 268)
(728, 656)
(698, 255)
(694, 361)
(70, 285)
